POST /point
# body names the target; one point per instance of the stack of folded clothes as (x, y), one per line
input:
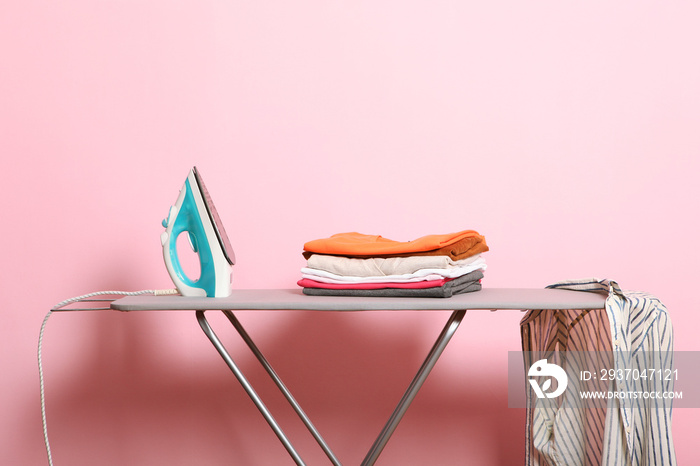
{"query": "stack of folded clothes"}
(433, 266)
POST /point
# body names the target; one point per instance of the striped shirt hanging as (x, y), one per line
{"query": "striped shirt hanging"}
(634, 331)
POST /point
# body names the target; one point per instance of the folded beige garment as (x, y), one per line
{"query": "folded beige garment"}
(379, 266)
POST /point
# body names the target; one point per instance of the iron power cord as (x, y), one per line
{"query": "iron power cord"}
(59, 307)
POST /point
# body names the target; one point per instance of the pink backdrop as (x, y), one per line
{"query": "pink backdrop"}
(567, 134)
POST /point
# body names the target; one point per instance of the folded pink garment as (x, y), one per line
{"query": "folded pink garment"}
(308, 283)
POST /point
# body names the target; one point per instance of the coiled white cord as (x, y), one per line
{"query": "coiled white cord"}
(58, 307)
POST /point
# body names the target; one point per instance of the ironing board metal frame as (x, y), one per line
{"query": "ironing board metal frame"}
(258, 300)
(206, 327)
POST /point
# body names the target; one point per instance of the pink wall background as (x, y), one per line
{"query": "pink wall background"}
(567, 134)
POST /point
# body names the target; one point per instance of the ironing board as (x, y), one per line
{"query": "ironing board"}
(294, 299)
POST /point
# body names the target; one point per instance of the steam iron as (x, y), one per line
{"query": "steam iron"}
(194, 214)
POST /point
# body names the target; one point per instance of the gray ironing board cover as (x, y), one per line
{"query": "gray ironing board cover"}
(294, 299)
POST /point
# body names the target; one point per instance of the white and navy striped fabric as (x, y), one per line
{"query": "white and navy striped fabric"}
(634, 331)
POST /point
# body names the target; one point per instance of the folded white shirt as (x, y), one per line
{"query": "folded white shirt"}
(418, 275)
(341, 265)
(358, 280)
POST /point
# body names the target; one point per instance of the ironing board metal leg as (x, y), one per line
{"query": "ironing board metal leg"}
(247, 387)
(416, 383)
(282, 387)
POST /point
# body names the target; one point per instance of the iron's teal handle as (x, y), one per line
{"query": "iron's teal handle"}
(175, 258)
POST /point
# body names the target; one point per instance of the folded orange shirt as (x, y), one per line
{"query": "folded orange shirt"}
(456, 245)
